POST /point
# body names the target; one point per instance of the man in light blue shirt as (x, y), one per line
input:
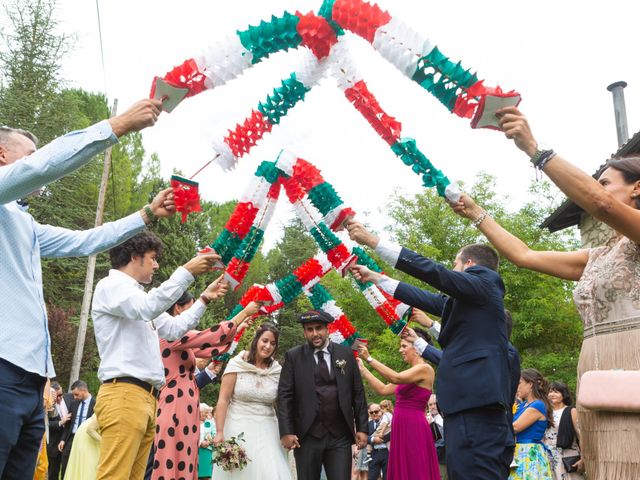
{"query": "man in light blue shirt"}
(25, 346)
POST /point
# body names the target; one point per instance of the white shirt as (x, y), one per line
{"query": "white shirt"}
(327, 355)
(128, 322)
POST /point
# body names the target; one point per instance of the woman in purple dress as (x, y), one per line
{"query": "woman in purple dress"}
(412, 452)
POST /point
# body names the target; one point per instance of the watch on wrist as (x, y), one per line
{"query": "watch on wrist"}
(369, 359)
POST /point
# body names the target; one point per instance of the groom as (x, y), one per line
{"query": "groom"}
(320, 398)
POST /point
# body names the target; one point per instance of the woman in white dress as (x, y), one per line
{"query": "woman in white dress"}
(246, 405)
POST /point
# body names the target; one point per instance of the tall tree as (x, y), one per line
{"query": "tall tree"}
(30, 65)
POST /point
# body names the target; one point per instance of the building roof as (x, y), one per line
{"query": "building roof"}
(568, 214)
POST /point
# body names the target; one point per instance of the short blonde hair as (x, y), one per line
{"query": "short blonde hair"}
(387, 405)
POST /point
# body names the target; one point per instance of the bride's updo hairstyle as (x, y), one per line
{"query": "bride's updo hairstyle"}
(262, 329)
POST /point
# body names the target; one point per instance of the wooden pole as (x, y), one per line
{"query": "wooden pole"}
(91, 267)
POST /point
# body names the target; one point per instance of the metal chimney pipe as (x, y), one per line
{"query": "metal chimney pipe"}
(617, 90)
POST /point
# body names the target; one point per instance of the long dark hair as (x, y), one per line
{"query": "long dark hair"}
(539, 389)
(563, 390)
(629, 167)
(262, 329)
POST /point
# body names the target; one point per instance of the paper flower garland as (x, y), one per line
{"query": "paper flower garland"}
(455, 87)
(316, 203)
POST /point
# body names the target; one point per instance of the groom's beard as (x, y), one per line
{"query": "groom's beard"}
(319, 347)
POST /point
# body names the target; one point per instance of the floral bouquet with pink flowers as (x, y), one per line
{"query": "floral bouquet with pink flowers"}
(229, 455)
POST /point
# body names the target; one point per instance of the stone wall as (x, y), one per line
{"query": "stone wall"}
(594, 233)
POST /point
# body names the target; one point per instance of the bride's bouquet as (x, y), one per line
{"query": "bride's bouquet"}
(229, 455)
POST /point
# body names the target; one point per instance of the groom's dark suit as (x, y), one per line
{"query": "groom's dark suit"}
(473, 378)
(321, 409)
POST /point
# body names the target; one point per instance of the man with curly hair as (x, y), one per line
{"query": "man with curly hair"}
(128, 323)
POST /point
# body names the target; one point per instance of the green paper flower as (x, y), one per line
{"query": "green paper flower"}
(249, 246)
(269, 171)
(319, 296)
(324, 198)
(270, 37)
(226, 245)
(366, 260)
(283, 98)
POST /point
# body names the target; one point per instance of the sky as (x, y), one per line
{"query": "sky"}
(559, 55)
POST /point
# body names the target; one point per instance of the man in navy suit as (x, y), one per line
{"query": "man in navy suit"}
(379, 451)
(473, 379)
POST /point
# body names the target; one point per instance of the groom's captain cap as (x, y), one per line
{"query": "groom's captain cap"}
(315, 316)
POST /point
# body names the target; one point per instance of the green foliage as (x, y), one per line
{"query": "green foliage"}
(30, 65)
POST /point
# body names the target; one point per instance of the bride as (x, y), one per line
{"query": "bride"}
(246, 405)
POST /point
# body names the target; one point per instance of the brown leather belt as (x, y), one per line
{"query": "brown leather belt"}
(139, 383)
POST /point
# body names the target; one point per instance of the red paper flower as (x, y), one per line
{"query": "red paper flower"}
(307, 174)
(308, 271)
(237, 269)
(256, 293)
(338, 255)
(360, 17)
(185, 196)
(247, 134)
(293, 189)
(185, 75)
(241, 219)
(316, 34)
(344, 215)
(363, 100)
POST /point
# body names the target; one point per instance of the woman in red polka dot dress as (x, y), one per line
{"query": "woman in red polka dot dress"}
(178, 418)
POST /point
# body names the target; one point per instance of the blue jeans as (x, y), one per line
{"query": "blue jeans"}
(22, 414)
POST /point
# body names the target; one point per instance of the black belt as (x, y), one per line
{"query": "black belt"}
(139, 383)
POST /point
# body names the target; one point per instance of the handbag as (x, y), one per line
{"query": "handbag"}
(609, 390)
(568, 463)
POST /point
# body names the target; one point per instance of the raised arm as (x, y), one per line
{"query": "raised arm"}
(566, 265)
(592, 195)
(379, 387)
(25, 171)
(62, 242)
(421, 374)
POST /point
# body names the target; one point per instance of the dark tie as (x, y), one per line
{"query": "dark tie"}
(322, 366)
(81, 413)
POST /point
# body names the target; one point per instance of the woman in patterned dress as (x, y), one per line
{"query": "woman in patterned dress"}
(178, 419)
(533, 415)
(607, 294)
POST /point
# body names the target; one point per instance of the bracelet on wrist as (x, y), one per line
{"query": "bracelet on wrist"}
(205, 300)
(149, 213)
(476, 223)
(541, 157)
(370, 359)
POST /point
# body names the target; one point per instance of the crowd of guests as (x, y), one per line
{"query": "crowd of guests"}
(146, 417)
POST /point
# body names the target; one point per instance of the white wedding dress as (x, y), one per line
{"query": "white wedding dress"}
(251, 411)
